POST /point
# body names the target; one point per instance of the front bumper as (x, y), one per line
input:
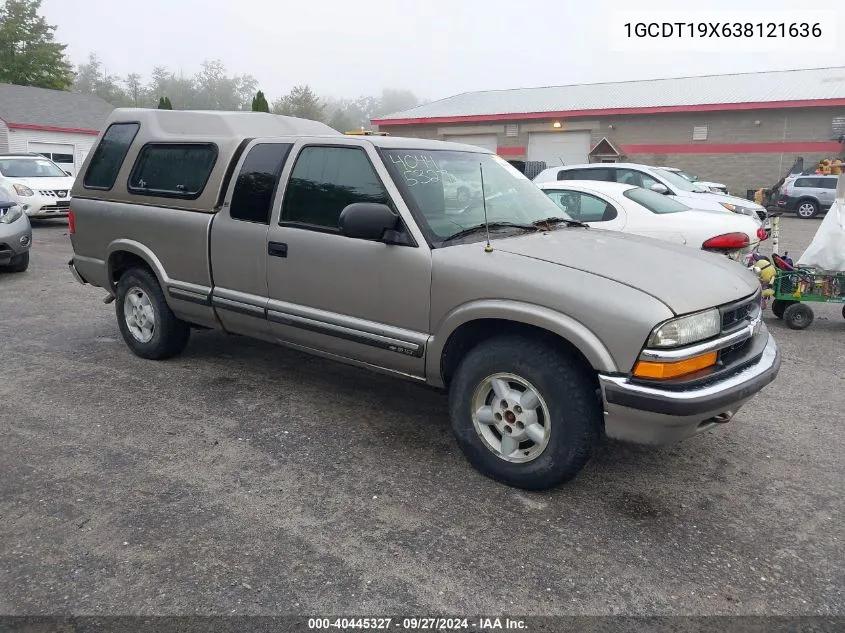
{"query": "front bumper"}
(15, 239)
(650, 415)
(39, 206)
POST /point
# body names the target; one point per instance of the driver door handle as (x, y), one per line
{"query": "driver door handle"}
(277, 249)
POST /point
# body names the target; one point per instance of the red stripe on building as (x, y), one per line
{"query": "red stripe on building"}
(510, 151)
(705, 107)
(50, 128)
(734, 148)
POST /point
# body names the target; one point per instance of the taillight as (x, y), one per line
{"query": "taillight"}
(727, 241)
(71, 221)
(761, 234)
(785, 189)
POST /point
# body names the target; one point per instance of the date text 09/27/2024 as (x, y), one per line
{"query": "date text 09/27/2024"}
(417, 624)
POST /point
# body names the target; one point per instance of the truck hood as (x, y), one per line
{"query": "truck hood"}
(683, 278)
(65, 183)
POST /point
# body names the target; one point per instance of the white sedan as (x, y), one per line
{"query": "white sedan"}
(630, 209)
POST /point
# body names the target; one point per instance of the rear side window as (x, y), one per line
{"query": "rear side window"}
(828, 183)
(108, 157)
(173, 170)
(605, 175)
(256, 184)
(327, 179)
(655, 202)
(813, 183)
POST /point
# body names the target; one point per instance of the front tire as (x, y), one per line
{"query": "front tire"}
(19, 263)
(147, 323)
(524, 413)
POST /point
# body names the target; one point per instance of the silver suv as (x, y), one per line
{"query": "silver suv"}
(807, 195)
(543, 331)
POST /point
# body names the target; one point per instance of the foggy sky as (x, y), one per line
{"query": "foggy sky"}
(435, 48)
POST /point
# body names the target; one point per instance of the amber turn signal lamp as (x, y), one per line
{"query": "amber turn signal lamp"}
(662, 371)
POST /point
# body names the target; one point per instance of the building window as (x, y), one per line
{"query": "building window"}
(109, 155)
(324, 181)
(173, 170)
(699, 133)
(838, 128)
(256, 184)
(512, 129)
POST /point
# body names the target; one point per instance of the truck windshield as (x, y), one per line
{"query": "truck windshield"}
(444, 187)
(29, 168)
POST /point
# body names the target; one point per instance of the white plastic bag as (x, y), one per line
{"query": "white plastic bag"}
(827, 250)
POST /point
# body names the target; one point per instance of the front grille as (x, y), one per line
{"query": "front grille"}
(735, 315)
(53, 193)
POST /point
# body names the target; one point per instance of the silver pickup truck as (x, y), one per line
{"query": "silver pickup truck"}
(544, 333)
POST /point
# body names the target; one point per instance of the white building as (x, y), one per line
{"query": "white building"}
(60, 125)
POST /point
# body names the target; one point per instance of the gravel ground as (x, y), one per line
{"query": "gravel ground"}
(242, 478)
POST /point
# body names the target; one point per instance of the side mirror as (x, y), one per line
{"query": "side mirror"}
(659, 187)
(68, 173)
(367, 221)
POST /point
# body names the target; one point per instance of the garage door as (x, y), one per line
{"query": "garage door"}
(556, 148)
(487, 141)
(60, 153)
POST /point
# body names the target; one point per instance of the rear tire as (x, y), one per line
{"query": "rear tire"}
(544, 435)
(807, 209)
(798, 316)
(147, 323)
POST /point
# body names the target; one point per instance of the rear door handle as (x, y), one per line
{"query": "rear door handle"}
(277, 249)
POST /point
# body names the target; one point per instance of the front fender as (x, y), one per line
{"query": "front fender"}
(558, 323)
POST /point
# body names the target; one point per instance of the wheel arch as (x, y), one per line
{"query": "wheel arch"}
(123, 254)
(467, 326)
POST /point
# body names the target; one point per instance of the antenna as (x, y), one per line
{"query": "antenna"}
(489, 247)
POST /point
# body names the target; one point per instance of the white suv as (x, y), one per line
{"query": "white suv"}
(37, 184)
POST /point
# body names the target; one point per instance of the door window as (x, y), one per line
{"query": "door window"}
(583, 206)
(635, 178)
(256, 184)
(599, 173)
(324, 181)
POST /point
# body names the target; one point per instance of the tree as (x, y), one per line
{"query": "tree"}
(29, 55)
(393, 101)
(300, 102)
(135, 89)
(216, 90)
(92, 79)
(259, 103)
(164, 103)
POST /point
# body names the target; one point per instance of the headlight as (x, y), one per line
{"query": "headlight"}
(687, 329)
(7, 216)
(23, 190)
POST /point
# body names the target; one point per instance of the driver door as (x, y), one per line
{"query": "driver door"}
(350, 298)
